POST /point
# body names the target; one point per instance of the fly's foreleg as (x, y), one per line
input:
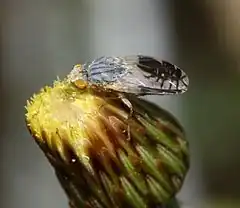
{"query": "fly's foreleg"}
(129, 105)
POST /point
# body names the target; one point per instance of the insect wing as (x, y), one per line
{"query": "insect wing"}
(133, 74)
(148, 75)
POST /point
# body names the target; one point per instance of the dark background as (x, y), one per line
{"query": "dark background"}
(41, 40)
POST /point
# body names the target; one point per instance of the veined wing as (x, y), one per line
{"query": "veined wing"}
(138, 75)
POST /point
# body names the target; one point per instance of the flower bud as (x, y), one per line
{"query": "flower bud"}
(102, 155)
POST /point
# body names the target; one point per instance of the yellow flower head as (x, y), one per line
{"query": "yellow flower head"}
(83, 133)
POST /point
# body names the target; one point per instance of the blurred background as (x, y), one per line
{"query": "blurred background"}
(41, 40)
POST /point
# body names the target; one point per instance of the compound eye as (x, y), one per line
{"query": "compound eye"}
(81, 84)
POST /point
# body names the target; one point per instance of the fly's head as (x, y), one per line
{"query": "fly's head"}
(78, 76)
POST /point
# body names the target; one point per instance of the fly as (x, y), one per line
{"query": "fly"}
(139, 75)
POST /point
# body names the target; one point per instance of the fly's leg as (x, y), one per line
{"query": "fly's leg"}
(129, 105)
